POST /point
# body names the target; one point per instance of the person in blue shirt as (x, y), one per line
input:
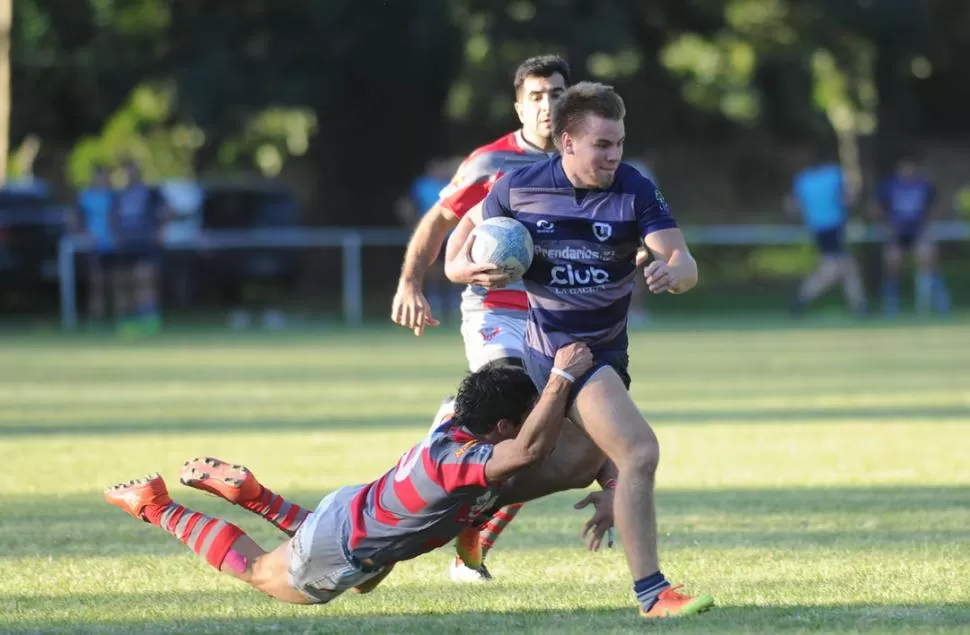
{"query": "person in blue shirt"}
(139, 216)
(819, 195)
(905, 201)
(94, 208)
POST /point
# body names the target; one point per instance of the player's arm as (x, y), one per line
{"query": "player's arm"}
(540, 431)
(425, 244)
(458, 263)
(673, 268)
(410, 308)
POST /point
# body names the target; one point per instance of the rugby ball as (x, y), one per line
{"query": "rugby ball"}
(504, 242)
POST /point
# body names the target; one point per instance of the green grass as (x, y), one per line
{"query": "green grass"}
(813, 479)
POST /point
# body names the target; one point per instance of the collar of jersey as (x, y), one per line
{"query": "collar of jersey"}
(461, 435)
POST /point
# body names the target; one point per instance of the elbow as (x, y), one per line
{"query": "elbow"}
(536, 454)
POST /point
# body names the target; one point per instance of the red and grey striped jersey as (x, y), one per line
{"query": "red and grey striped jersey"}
(436, 489)
(469, 186)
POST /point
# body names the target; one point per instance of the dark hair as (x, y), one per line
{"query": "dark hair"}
(540, 66)
(585, 98)
(493, 393)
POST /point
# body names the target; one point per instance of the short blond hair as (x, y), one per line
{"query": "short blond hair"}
(585, 98)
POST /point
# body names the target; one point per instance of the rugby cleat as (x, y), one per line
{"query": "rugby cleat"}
(135, 495)
(234, 483)
(468, 545)
(670, 603)
(460, 572)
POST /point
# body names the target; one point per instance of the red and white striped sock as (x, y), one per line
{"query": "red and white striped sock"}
(494, 527)
(211, 538)
(285, 516)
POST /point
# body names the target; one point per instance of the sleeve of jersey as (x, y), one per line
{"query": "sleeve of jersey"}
(468, 187)
(497, 201)
(653, 213)
(466, 468)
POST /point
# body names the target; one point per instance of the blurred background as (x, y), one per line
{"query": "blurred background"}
(284, 140)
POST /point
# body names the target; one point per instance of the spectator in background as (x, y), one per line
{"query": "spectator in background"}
(139, 218)
(820, 196)
(904, 201)
(183, 200)
(424, 193)
(93, 211)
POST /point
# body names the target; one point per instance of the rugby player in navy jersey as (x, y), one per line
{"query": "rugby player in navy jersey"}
(500, 427)
(588, 214)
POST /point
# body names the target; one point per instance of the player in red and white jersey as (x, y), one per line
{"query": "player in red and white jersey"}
(357, 534)
(493, 322)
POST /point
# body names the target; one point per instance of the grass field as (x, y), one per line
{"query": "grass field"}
(813, 479)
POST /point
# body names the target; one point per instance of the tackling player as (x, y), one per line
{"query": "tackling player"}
(356, 535)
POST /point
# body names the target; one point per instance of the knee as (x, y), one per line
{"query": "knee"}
(641, 456)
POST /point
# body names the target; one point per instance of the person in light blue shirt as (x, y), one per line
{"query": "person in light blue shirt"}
(905, 201)
(820, 197)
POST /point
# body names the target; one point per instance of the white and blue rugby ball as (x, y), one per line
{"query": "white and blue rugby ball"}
(504, 242)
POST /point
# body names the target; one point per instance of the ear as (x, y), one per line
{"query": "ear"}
(506, 428)
(567, 144)
(518, 110)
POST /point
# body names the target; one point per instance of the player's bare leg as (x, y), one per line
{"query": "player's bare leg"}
(574, 464)
(605, 410)
(239, 486)
(223, 545)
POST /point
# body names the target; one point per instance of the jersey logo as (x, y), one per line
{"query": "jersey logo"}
(545, 227)
(488, 334)
(602, 231)
(465, 448)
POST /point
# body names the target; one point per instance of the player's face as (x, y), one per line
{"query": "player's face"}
(595, 152)
(534, 104)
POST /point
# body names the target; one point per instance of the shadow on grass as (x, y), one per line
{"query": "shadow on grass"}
(30, 616)
(657, 416)
(795, 519)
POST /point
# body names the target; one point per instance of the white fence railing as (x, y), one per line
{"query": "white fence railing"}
(351, 242)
